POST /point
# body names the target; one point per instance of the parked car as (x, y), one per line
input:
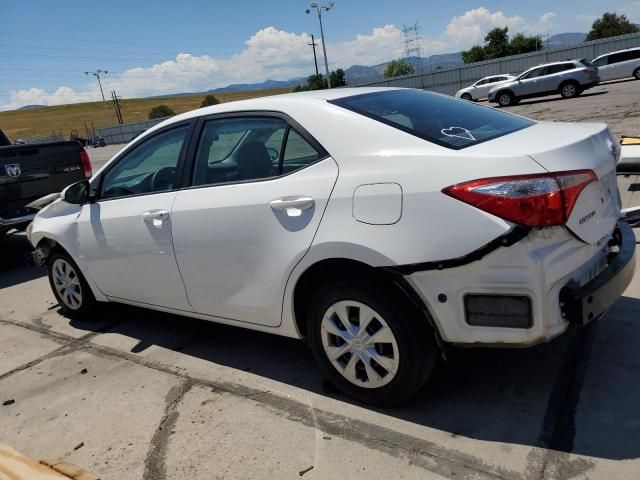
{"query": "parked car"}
(620, 64)
(30, 171)
(569, 79)
(378, 224)
(481, 88)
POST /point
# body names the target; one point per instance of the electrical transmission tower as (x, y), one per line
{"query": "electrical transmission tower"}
(413, 44)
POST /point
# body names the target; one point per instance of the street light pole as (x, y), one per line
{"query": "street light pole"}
(97, 74)
(326, 8)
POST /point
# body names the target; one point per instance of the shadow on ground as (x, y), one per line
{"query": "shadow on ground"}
(557, 97)
(532, 397)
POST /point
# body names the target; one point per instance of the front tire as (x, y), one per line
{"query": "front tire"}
(69, 286)
(636, 74)
(506, 99)
(466, 96)
(368, 344)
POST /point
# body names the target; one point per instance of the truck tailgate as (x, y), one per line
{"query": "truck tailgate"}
(28, 172)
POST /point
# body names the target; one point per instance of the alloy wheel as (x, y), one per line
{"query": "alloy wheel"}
(67, 283)
(505, 99)
(360, 344)
(569, 90)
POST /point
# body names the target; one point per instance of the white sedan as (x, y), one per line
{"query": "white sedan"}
(379, 225)
(481, 88)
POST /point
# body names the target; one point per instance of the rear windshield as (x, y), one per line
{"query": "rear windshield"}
(437, 118)
(586, 63)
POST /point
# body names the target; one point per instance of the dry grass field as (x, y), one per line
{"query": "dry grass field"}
(65, 118)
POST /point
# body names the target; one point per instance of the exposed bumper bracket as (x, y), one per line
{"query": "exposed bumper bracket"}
(583, 304)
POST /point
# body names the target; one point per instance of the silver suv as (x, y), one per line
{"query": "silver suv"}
(569, 78)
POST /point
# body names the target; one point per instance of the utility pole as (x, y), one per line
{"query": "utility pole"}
(116, 106)
(326, 8)
(97, 74)
(313, 44)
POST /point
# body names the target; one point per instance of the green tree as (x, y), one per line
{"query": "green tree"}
(337, 78)
(474, 54)
(161, 111)
(497, 43)
(209, 100)
(397, 68)
(610, 25)
(520, 43)
(316, 82)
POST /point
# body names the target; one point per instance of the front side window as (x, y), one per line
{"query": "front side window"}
(602, 61)
(436, 118)
(536, 72)
(150, 167)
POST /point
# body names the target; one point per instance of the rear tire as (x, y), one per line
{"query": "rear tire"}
(69, 286)
(570, 90)
(383, 363)
(636, 73)
(506, 99)
(466, 96)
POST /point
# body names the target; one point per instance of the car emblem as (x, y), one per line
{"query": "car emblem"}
(13, 170)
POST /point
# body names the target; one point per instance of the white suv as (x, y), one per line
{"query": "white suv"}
(620, 64)
(379, 225)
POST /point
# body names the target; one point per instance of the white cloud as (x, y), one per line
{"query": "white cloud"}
(280, 55)
(471, 27)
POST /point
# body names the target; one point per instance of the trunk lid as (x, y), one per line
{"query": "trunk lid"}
(569, 146)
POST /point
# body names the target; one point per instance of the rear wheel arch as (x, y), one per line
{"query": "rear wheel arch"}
(331, 270)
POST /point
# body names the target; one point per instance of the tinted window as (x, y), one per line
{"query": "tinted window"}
(482, 82)
(602, 61)
(150, 167)
(437, 118)
(238, 149)
(621, 57)
(298, 153)
(560, 67)
(586, 63)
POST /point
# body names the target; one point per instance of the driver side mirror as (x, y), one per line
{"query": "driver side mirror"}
(78, 193)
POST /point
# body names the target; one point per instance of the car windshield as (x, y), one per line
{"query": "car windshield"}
(437, 118)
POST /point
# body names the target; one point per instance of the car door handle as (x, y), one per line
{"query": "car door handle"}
(293, 206)
(155, 215)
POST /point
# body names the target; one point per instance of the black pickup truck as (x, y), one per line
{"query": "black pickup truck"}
(31, 171)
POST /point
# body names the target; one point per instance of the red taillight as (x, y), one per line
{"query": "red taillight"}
(531, 200)
(86, 164)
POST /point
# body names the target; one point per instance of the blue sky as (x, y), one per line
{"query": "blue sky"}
(167, 46)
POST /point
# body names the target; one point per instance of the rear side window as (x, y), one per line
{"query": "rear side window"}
(437, 118)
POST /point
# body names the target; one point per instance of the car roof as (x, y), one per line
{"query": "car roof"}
(572, 60)
(618, 51)
(268, 103)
